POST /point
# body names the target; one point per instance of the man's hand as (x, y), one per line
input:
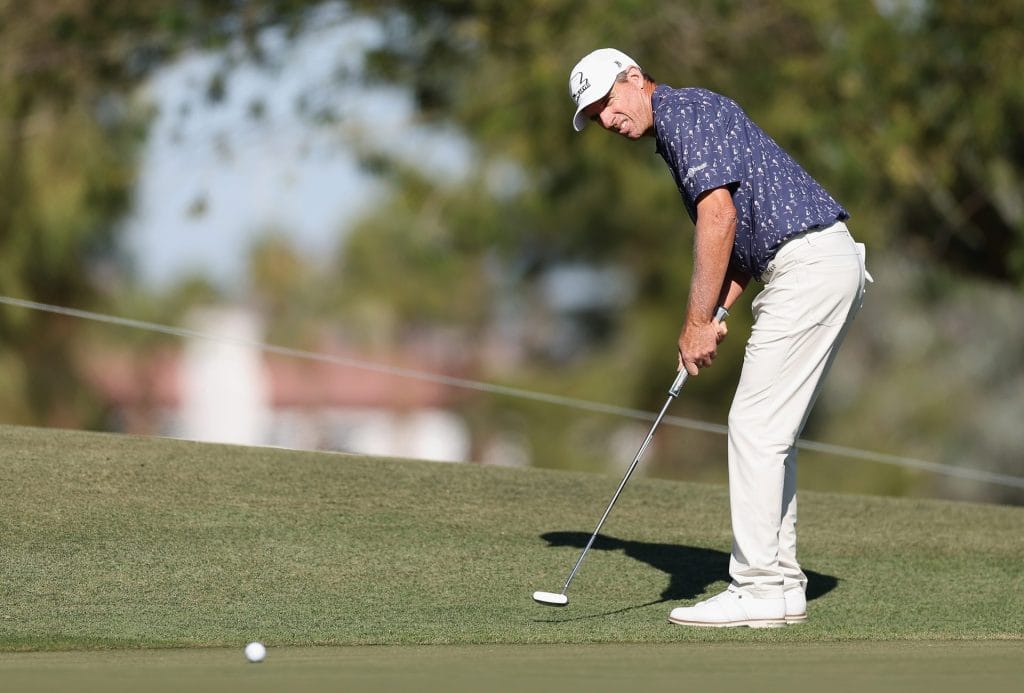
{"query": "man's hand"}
(723, 330)
(698, 346)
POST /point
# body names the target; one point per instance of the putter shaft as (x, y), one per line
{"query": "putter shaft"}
(673, 392)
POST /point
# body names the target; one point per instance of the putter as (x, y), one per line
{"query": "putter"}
(560, 598)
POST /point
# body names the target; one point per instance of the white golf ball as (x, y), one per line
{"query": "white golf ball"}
(255, 652)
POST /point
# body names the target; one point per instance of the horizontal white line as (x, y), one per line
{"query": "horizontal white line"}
(490, 388)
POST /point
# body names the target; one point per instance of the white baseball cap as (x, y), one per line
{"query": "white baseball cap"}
(592, 79)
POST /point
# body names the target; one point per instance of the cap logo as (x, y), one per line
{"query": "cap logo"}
(582, 86)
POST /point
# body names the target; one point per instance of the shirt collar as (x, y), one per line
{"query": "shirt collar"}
(658, 95)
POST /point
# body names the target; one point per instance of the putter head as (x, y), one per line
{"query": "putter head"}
(550, 598)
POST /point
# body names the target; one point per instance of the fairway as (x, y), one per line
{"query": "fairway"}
(116, 544)
(991, 667)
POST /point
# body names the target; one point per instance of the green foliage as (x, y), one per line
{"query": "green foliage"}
(424, 261)
(68, 140)
(909, 116)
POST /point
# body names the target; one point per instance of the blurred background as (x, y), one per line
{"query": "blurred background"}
(394, 189)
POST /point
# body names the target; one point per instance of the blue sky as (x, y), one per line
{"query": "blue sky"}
(212, 178)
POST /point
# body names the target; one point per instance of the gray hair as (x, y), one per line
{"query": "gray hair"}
(621, 77)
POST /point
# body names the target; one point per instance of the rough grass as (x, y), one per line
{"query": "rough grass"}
(110, 542)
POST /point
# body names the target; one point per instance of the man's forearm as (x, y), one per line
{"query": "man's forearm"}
(734, 285)
(712, 248)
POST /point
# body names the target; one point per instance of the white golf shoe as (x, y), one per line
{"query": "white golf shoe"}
(796, 606)
(732, 608)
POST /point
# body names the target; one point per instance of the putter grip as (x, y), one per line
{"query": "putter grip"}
(677, 385)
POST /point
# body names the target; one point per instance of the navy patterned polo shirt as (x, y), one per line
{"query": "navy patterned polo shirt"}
(709, 142)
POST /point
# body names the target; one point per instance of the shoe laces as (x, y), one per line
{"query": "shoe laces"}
(724, 594)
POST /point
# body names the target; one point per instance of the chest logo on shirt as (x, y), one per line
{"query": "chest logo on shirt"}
(690, 172)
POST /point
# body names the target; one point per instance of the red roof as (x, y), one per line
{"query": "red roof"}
(129, 379)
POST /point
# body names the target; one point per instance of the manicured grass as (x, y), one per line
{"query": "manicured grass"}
(936, 667)
(112, 542)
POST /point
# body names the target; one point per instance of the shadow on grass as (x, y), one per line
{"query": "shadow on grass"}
(691, 569)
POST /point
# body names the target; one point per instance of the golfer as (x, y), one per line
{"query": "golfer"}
(757, 215)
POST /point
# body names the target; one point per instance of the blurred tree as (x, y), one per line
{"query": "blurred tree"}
(907, 110)
(290, 292)
(68, 133)
(932, 101)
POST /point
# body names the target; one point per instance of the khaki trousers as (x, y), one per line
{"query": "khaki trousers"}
(813, 288)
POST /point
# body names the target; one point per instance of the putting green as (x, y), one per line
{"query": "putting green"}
(849, 666)
(119, 542)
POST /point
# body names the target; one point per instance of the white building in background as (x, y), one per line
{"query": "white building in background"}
(227, 390)
(425, 434)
